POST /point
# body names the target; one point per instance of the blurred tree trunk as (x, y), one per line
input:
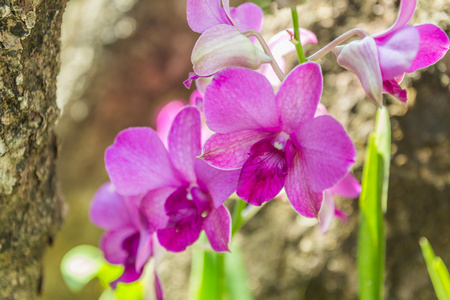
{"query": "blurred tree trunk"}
(31, 210)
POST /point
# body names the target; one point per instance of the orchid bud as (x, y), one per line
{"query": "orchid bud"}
(222, 47)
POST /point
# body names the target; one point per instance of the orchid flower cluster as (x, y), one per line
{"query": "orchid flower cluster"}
(249, 129)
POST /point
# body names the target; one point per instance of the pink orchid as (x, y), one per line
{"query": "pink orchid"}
(274, 140)
(138, 163)
(222, 44)
(130, 238)
(381, 60)
(348, 187)
(280, 45)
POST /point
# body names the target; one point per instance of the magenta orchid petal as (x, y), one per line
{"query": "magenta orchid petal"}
(184, 225)
(112, 244)
(152, 206)
(302, 198)
(230, 150)
(219, 183)
(405, 14)
(203, 14)
(145, 250)
(348, 187)
(217, 226)
(129, 275)
(326, 151)
(394, 89)
(159, 292)
(223, 46)
(434, 44)
(397, 51)
(165, 118)
(297, 101)
(247, 16)
(327, 212)
(185, 141)
(108, 209)
(225, 109)
(263, 174)
(361, 58)
(138, 162)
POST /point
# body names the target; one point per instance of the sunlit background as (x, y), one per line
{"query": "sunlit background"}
(123, 59)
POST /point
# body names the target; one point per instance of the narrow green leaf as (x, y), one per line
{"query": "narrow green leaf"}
(436, 269)
(373, 202)
(80, 265)
(383, 143)
(205, 274)
(236, 275)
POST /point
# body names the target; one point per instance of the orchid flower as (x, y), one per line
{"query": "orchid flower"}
(381, 60)
(138, 163)
(130, 238)
(280, 45)
(274, 140)
(222, 44)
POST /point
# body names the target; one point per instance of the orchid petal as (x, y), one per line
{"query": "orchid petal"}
(263, 174)
(219, 183)
(184, 224)
(348, 187)
(138, 162)
(247, 16)
(185, 141)
(296, 101)
(159, 292)
(165, 118)
(394, 89)
(327, 153)
(302, 198)
(326, 213)
(129, 275)
(230, 150)
(405, 14)
(223, 46)
(361, 58)
(239, 99)
(203, 14)
(108, 209)
(152, 206)
(433, 46)
(397, 51)
(217, 226)
(112, 244)
(144, 251)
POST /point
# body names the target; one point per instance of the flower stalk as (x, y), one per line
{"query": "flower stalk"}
(266, 49)
(342, 38)
(296, 41)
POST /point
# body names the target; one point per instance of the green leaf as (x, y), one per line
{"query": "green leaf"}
(218, 275)
(80, 265)
(129, 291)
(436, 269)
(236, 275)
(373, 202)
(205, 281)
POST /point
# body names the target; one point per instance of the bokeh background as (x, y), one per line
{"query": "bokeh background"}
(123, 59)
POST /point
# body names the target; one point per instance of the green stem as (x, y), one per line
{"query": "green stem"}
(237, 216)
(297, 42)
(221, 275)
